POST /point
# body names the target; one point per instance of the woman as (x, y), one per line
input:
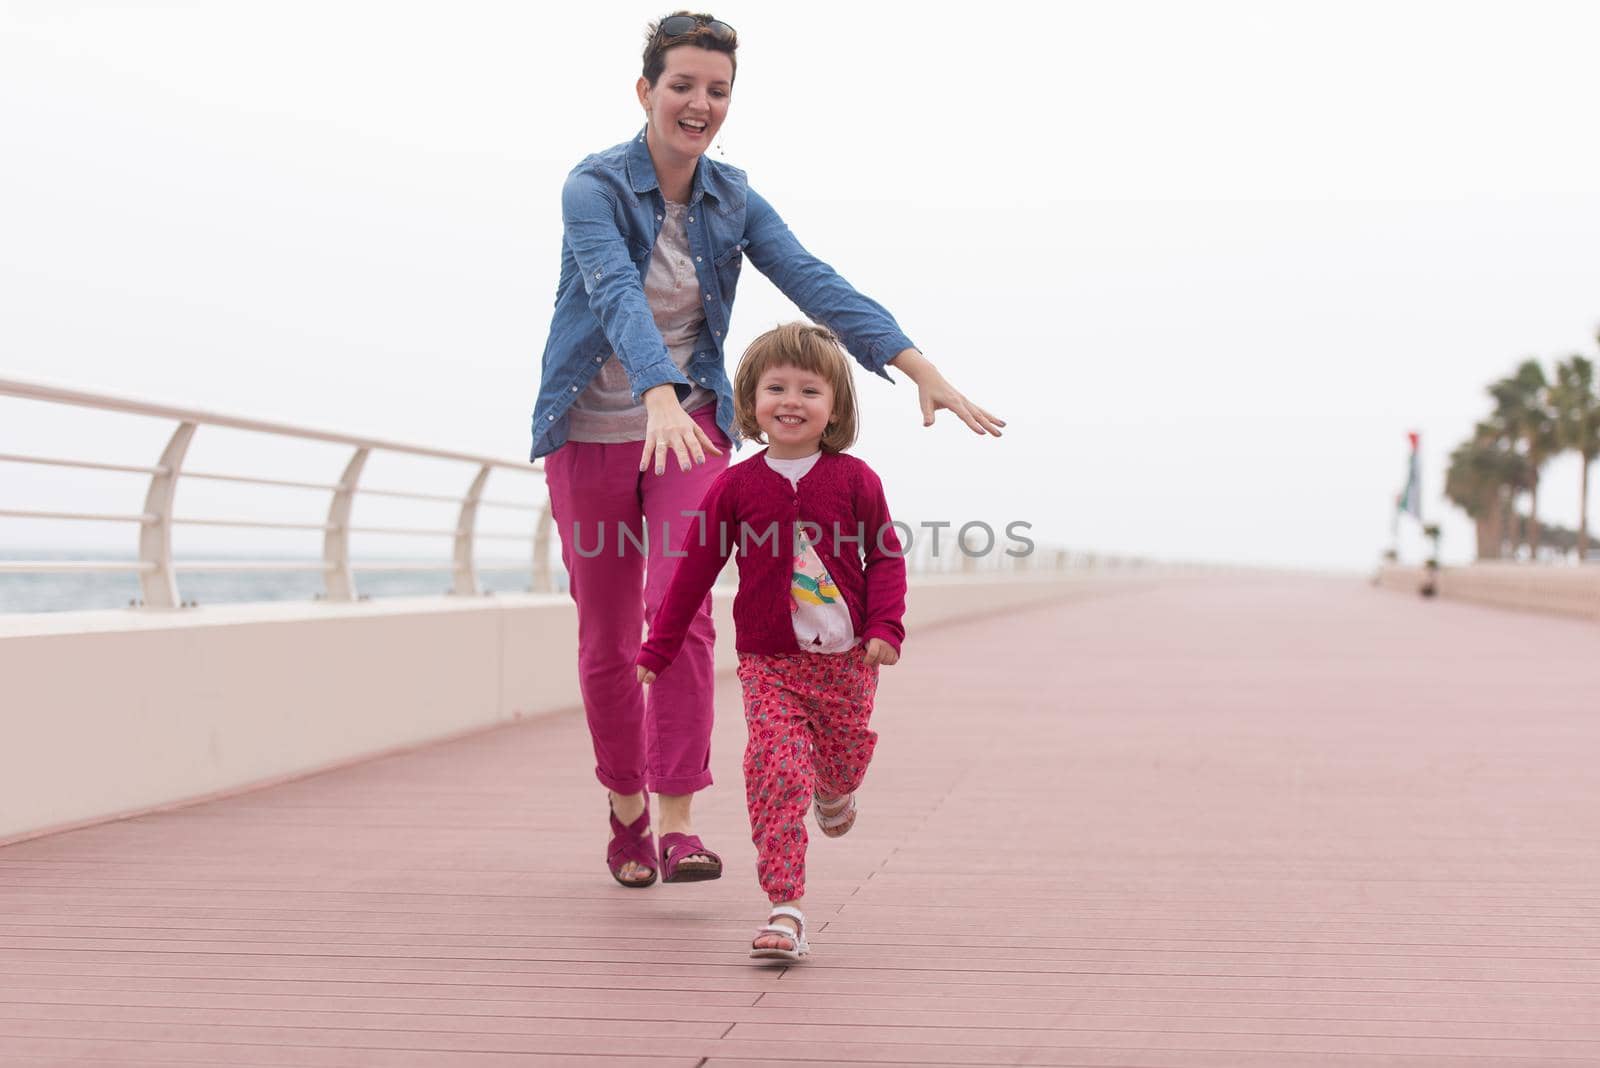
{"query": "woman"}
(633, 376)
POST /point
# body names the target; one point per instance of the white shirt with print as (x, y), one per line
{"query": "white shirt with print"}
(821, 618)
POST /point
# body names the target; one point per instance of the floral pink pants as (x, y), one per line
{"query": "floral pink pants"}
(807, 714)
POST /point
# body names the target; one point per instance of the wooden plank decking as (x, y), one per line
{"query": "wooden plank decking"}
(1261, 824)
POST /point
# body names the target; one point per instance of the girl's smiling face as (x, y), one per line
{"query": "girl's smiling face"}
(689, 101)
(793, 408)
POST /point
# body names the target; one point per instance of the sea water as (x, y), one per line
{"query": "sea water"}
(83, 590)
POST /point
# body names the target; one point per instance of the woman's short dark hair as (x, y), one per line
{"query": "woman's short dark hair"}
(656, 45)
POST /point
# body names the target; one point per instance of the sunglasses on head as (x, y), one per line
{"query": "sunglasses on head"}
(679, 25)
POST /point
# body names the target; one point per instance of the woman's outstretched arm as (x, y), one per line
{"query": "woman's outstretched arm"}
(867, 329)
(934, 391)
(617, 298)
(611, 283)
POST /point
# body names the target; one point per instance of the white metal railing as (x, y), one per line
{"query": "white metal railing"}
(156, 568)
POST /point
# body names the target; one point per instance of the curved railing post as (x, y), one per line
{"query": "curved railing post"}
(466, 574)
(339, 581)
(158, 584)
(542, 581)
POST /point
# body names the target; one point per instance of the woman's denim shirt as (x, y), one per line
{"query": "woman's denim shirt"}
(611, 211)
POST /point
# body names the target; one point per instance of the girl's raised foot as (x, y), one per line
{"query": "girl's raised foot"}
(834, 815)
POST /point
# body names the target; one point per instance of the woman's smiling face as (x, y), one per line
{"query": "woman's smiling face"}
(689, 100)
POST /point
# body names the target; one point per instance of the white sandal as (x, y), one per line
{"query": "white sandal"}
(796, 938)
(836, 824)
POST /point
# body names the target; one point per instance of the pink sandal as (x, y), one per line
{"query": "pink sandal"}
(674, 869)
(634, 843)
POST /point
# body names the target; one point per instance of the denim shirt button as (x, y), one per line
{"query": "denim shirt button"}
(691, 218)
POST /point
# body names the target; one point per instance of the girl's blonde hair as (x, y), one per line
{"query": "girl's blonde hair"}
(805, 347)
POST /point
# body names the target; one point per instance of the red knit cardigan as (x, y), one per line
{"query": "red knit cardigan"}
(754, 510)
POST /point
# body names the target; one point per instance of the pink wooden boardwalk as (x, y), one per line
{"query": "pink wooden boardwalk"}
(1265, 825)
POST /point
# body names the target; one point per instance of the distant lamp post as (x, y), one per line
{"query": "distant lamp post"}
(1430, 578)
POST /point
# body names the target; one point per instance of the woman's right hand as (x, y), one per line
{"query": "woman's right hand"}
(668, 426)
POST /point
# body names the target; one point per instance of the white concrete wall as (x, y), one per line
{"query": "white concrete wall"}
(108, 713)
(1567, 590)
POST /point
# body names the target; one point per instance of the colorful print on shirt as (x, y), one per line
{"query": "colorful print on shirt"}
(821, 618)
(811, 584)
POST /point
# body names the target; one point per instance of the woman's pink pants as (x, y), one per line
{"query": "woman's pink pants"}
(603, 507)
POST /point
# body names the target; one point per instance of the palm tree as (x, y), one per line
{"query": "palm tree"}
(1521, 407)
(1577, 412)
(1485, 473)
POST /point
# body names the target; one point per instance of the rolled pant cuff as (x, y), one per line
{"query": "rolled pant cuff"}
(625, 787)
(683, 784)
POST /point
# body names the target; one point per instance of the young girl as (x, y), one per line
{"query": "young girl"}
(822, 587)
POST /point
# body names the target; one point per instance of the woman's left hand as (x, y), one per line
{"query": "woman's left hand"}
(934, 391)
(881, 652)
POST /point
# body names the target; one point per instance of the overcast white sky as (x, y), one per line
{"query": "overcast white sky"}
(1210, 261)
